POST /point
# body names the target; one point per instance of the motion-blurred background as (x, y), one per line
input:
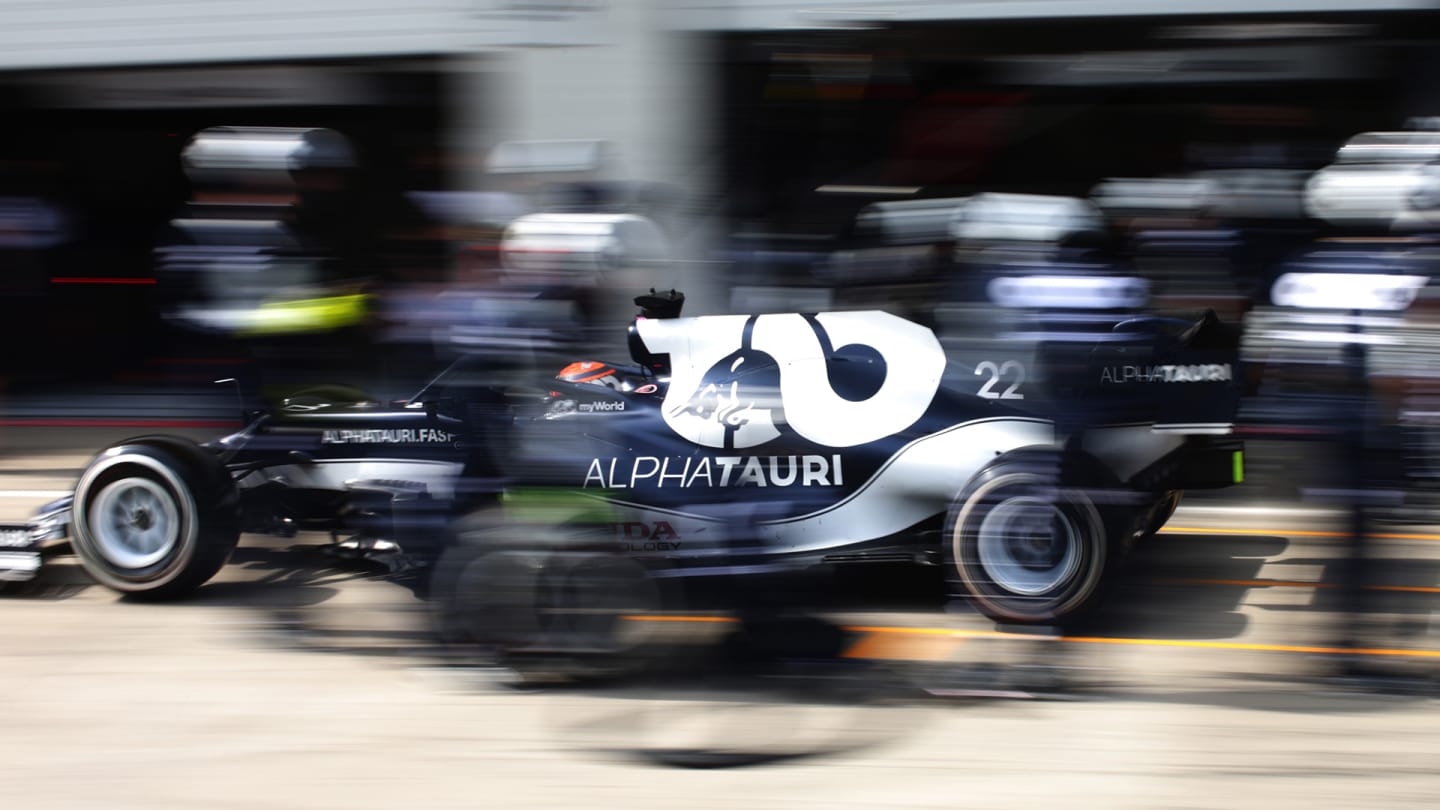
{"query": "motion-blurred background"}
(158, 183)
(318, 192)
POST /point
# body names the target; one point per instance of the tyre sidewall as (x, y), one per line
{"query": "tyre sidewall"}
(1030, 477)
(207, 524)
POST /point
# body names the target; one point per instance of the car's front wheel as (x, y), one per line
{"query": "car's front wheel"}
(154, 518)
(1025, 545)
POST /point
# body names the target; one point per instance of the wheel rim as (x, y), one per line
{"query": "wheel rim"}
(134, 522)
(1028, 546)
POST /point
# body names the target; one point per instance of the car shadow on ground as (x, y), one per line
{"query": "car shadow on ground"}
(1172, 587)
(1331, 695)
(56, 582)
(294, 589)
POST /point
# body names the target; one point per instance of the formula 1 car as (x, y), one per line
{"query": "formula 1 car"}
(839, 437)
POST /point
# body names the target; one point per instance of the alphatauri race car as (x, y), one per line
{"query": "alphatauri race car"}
(827, 438)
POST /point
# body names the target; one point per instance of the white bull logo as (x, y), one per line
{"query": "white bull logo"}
(736, 379)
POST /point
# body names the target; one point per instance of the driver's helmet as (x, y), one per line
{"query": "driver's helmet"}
(594, 372)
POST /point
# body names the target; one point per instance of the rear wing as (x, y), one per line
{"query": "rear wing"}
(1081, 349)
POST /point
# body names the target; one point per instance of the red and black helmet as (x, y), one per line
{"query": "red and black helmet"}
(592, 371)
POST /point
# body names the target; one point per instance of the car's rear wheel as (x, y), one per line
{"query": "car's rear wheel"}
(155, 518)
(1028, 546)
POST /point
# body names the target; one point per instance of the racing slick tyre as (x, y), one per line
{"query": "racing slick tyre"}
(155, 517)
(1025, 545)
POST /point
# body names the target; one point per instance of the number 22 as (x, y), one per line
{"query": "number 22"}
(996, 373)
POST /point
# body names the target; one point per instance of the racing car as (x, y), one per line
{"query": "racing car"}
(824, 438)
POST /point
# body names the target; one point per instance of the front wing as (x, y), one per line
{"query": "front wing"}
(21, 544)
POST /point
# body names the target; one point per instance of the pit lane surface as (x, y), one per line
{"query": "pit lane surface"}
(294, 681)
